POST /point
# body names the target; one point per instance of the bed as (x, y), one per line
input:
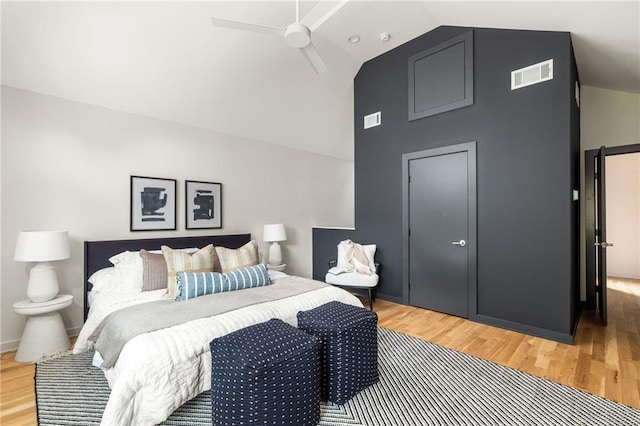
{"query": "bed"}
(155, 372)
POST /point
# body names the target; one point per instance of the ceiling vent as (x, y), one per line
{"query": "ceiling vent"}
(532, 74)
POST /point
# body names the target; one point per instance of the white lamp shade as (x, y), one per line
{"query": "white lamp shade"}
(42, 246)
(274, 232)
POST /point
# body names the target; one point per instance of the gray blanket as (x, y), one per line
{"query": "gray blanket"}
(123, 325)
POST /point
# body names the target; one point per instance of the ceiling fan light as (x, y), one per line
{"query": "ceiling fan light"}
(297, 35)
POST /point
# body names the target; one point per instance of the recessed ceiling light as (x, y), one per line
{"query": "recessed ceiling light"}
(354, 39)
(384, 37)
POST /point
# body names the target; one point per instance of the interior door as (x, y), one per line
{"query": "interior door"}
(601, 235)
(438, 218)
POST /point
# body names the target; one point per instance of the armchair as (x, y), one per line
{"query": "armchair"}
(354, 280)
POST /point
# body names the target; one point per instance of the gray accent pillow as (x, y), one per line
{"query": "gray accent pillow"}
(154, 271)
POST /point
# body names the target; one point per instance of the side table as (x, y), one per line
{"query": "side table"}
(44, 334)
(279, 268)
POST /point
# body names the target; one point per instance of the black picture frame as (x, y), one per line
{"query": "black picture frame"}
(153, 204)
(203, 205)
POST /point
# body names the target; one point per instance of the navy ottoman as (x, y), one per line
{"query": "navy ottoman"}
(267, 374)
(350, 348)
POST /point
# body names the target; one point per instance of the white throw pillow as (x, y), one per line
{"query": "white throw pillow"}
(128, 264)
(105, 280)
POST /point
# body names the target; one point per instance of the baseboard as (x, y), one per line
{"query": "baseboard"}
(624, 278)
(575, 325)
(509, 325)
(388, 298)
(12, 345)
(72, 332)
(525, 329)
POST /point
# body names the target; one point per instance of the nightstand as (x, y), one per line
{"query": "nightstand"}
(279, 268)
(44, 334)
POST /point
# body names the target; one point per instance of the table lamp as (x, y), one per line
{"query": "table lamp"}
(42, 247)
(274, 233)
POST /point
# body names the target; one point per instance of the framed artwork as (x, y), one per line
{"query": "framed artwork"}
(153, 204)
(203, 205)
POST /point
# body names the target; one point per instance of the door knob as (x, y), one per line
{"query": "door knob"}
(603, 244)
(461, 243)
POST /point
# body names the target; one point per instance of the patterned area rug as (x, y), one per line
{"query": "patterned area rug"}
(420, 384)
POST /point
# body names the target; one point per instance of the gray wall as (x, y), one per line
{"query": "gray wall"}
(575, 155)
(527, 161)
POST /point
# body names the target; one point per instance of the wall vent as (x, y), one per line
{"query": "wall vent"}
(372, 120)
(532, 74)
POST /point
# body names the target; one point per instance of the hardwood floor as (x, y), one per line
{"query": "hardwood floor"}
(603, 361)
(17, 398)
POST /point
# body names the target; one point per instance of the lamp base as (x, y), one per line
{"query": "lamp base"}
(43, 283)
(275, 254)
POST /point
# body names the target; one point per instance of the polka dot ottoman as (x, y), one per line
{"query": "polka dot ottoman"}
(350, 348)
(267, 374)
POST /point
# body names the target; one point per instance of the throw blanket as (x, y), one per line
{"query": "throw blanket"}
(121, 326)
(355, 259)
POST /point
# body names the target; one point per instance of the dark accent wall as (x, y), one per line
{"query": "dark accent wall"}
(527, 165)
(325, 248)
(574, 153)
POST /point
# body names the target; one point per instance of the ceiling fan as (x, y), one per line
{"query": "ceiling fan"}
(297, 34)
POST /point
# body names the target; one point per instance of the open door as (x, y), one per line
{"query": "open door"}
(595, 225)
(601, 234)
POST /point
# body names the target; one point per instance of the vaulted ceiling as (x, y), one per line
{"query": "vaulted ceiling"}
(166, 60)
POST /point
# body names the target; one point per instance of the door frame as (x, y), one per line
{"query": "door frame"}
(589, 216)
(470, 149)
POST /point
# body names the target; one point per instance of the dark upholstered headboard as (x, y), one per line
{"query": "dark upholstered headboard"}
(97, 253)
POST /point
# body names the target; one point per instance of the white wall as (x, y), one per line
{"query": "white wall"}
(623, 215)
(608, 118)
(67, 166)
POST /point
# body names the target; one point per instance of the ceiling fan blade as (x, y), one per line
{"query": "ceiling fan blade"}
(237, 25)
(314, 58)
(323, 11)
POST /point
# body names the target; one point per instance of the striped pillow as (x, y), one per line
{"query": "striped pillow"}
(154, 271)
(231, 259)
(194, 284)
(200, 261)
(253, 276)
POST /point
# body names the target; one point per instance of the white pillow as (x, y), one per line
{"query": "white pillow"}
(369, 249)
(105, 280)
(129, 266)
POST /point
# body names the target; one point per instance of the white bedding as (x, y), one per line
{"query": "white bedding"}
(159, 371)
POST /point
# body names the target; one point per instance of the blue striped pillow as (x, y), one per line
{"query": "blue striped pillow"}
(251, 276)
(194, 284)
